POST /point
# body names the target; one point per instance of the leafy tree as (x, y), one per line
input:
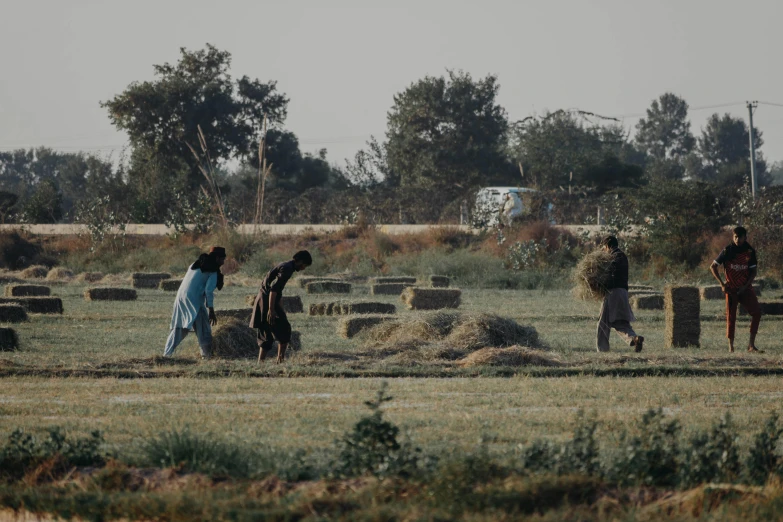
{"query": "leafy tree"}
(776, 173)
(8, 201)
(665, 134)
(371, 166)
(45, 205)
(724, 147)
(446, 132)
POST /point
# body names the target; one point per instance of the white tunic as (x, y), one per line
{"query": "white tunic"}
(195, 294)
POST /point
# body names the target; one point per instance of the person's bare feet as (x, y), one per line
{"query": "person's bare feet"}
(731, 347)
(638, 343)
(753, 349)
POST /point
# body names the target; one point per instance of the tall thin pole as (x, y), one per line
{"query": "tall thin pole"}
(753, 181)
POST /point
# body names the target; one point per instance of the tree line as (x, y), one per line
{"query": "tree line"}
(446, 136)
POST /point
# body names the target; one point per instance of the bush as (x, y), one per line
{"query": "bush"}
(712, 456)
(578, 456)
(763, 459)
(24, 452)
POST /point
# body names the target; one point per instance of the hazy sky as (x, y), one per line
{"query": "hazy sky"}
(341, 62)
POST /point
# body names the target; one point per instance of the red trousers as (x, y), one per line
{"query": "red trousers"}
(748, 300)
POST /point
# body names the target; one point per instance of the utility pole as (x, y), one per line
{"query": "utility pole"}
(753, 184)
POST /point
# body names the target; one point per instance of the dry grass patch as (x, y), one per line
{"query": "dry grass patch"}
(27, 290)
(148, 280)
(59, 274)
(37, 305)
(8, 340)
(12, 313)
(35, 272)
(683, 324)
(431, 298)
(511, 356)
(110, 294)
(592, 274)
(328, 287)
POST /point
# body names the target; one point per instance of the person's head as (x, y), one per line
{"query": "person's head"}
(609, 243)
(740, 236)
(302, 260)
(218, 254)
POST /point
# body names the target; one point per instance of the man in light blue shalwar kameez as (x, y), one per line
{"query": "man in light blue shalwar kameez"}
(193, 307)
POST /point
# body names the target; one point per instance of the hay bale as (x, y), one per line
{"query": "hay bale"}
(318, 309)
(6, 279)
(292, 304)
(59, 274)
(649, 288)
(230, 314)
(350, 327)
(438, 281)
(89, 277)
(393, 280)
(417, 298)
(367, 308)
(389, 288)
(328, 287)
(303, 281)
(234, 339)
(110, 294)
(12, 313)
(632, 293)
(592, 274)
(27, 290)
(709, 292)
(511, 356)
(8, 340)
(148, 279)
(683, 325)
(35, 272)
(647, 302)
(771, 308)
(37, 305)
(474, 331)
(170, 285)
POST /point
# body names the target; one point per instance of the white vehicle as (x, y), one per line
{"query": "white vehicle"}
(492, 203)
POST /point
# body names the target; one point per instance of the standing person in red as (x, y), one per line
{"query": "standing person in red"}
(739, 264)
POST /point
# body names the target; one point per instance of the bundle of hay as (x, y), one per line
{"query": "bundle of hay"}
(27, 290)
(291, 304)
(711, 292)
(148, 280)
(474, 331)
(417, 298)
(328, 287)
(303, 281)
(89, 277)
(592, 275)
(640, 288)
(318, 309)
(233, 339)
(350, 327)
(366, 308)
(683, 324)
(37, 305)
(8, 340)
(393, 280)
(59, 274)
(438, 281)
(511, 356)
(647, 302)
(110, 294)
(35, 272)
(170, 285)
(234, 314)
(388, 288)
(12, 313)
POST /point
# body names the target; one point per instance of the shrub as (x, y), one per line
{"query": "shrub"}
(578, 456)
(24, 452)
(712, 456)
(763, 458)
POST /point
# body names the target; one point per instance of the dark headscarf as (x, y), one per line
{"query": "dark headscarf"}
(208, 263)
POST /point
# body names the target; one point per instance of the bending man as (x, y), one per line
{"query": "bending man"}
(616, 311)
(193, 307)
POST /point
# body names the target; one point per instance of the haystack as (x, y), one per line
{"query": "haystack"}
(388, 288)
(303, 281)
(234, 339)
(633, 287)
(367, 308)
(430, 326)
(89, 277)
(350, 327)
(170, 285)
(231, 314)
(711, 292)
(474, 331)
(37, 305)
(592, 274)
(35, 272)
(771, 308)
(647, 302)
(439, 281)
(148, 280)
(328, 287)
(59, 274)
(27, 290)
(683, 325)
(6, 279)
(110, 294)
(417, 298)
(8, 340)
(291, 304)
(511, 356)
(318, 309)
(632, 293)
(392, 280)
(12, 313)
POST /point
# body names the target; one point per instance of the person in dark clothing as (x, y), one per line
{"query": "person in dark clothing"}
(616, 311)
(740, 266)
(268, 316)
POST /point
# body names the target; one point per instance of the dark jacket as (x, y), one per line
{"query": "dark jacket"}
(619, 271)
(274, 281)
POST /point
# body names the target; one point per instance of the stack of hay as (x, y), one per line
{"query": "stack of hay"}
(328, 287)
(170, 285)
(8, 340)
(350, 327)
(27, 291)
(291, 304)
(35, 272)
(439, 281)
(417, 298)
(12, 313)
(340, 308)
(389, 288)
(59, 274)
(148, 280)
(683, 324)
(36, 305)
(110, 294)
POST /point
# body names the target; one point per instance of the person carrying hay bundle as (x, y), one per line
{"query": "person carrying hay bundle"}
(616, 311)
(740, 266)
(193, 307)
(268, 316)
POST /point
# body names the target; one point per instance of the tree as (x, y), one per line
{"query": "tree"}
(44, 205)
(724, 147)
(446, 133)
(665, 134)
(163, 116)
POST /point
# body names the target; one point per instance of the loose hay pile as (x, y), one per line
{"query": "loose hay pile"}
(512, 356)
(328, 287)
(388, 288)
(647, 302)
(170, 285)
(89, 277)
(437, 281)
(12, 313)
(340, 308)
(302, 282)
(59, 274)
(8, 340)
(350, 327)
(592, 275)
(35, 272)
(417, 298)
(393, 280)
(234, 340)
(110, 294)
(683, 324)
(27, 290)
(148, 280)
(37, 305)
